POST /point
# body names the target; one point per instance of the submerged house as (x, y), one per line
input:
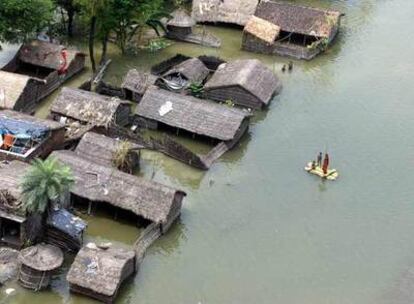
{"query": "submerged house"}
(24, 137)
(182, 75)
(181, 27)
(99, 273)
(140, 198)
(228, 11)
(247, 83)
(102, 150)
(46, 66)
(88, 108)
(290, 30)
(13, 232)
(136, 83)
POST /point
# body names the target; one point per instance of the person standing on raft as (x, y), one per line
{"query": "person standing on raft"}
(325, 165)
(319, 160)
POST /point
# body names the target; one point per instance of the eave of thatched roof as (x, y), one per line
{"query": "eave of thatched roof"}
(138, 81)
(45, 54)
(194, 115)
(150, 200)
(251, 75)
(192, 69)
(262, 29)
(299, 19)
(86, 106)
(228, 11)
(180, 18)
(99, 148)
(107, 277)
(42, 257)
(12, 86)
(18, 116)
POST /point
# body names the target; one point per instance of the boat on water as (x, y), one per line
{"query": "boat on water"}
(331, 174)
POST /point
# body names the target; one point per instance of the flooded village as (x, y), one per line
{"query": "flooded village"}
(164, 161)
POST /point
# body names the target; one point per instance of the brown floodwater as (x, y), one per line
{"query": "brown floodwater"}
(256, 228)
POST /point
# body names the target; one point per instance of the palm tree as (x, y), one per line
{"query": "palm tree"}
(46, 181)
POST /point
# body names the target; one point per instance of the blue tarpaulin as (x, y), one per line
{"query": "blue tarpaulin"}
(22, 128)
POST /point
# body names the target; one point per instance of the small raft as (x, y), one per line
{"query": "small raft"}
(332, 174)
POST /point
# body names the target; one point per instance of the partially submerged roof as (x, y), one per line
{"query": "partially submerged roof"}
(299, 19)
(180, 18)
(11, 87)
(148, 199)
(192, 69)
(26, 122)
(66, 222)
(249, 74)
(262, 29)
(41, 257)
(100, 148)
(86, 106)
(45, 54)
(194, 115)
(137, 81)
(101, 271)
(227, 11)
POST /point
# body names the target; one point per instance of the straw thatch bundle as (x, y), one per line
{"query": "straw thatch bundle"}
(262, 29)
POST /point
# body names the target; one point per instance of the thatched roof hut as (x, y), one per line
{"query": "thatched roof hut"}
(26, 137)
(102, 150)
(149, 200)
(65, 230)
(194, 115)
(9, 265)
(90, 108)
(192, 71)
(38, 264)
(136, 83)
(247, 83)
(51, 63)
(181, 19)
(303, 31)
(166, 65)
(99, 273)
(228, 11)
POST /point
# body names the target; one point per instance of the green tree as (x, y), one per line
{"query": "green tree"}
(71, 9)
(20, 19)
(46, 181)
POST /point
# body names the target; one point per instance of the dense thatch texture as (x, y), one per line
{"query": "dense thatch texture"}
(262, 29)
(299, 19)
(99, 273)
(192, 70)
(15, 90)
(102, 149)
(245, 82)
(180, 18)
(65, 230)
(11, 175)
(136, 83)
(9, 265)
(191, 114)
(227, 11)
(147, 199)
(46, 54)
(91, 108)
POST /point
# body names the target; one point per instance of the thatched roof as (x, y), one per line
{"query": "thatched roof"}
(227, 11)
(194, 115)
(299, 19)
(66, 222)
(42, 257)
(45, 54)
(180, 18)
(262, 29)
(101, 271)
(138, 82)
(9, 265)
(249, 74)
(25, 118)
(192, 69)
(97, 183)
(86, 106)
(99, 148)
(11, 87)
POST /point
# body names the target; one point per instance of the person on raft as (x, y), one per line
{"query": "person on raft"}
(325, 165)
(319, 161)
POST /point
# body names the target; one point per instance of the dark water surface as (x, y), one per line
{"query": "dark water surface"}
(256, 228)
